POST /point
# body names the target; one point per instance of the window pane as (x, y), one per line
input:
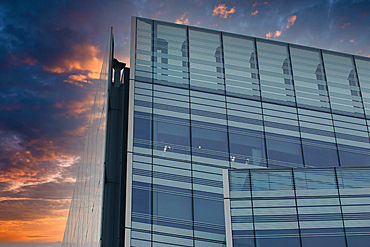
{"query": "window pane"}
(282, 136)
(342, 84)
(363, 70)
(206, 67)
(241, 74)
(275, 74)
(170, 59)
(309, 79)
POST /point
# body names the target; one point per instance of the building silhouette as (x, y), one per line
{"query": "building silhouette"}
(217, 139)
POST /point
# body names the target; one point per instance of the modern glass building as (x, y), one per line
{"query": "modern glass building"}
(218, 139)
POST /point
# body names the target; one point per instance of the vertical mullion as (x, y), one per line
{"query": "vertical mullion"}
(259, 83)
(227, 116)
(359, 88)
(296, 105)
(296, 207)
(331, 110)
(191, 136)
(152, 134)
(340, 205)
(251, 190)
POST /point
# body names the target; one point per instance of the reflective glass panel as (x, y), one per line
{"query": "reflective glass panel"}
(275, 73)
(343, 87)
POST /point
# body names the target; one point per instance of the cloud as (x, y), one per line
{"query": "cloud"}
(78, 80)
(291, 20)
(221, 10)
(81, 108)
(352, 40)
(346, 24)
(254, 13)
(269, 35)
(183, 20)
(277, 34)
(85, 57)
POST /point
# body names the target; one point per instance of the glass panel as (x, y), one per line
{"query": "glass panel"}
(83, 226)
(140, 239)
(275, 214)
(282, 136)
(319, 210)
(353, 140)
(209, 129)
(141, 192)
(310, 85)
(275, 74)
(172, 197)
(363, 70)
(170, 59)
(242, 222)
(162, 240)
(143, 118)
(318, 138)
(143, 60)
(209, 220)
(171, 126)
(354, 188)
(343, 87)
(206, 66)
(241, 74)
(246, 138)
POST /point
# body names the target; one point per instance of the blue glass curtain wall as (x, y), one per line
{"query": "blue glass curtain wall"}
(230, 100)
(300, 207)
(207, 100)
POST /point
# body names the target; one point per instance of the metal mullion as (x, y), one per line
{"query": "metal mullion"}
(251, 191)
(152, 129)
(359, 88)
(227, 116)
(191, 135)
(331, 110)
(340, 205)
(263, 119)
(296, 105)
(296, 207)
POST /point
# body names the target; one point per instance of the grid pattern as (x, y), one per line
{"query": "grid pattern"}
(300, 207)
(206, 100)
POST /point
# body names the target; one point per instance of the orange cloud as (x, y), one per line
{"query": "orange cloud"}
(28, 60)
(80, 131)
(359, 51)
(254, 13)
(50, 229)
(346, 24)
(84, 57)
(269, 35)
(79, 79)
(254, 5)
(77, 108)
(277, 34)
(221, 10)
(183, 20)
(291, 20)
(352, 40)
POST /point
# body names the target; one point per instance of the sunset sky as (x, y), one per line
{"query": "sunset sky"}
(51, 54)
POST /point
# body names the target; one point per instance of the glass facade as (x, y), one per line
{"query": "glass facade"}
(298, 207)
(204, 101)
(83, 226)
